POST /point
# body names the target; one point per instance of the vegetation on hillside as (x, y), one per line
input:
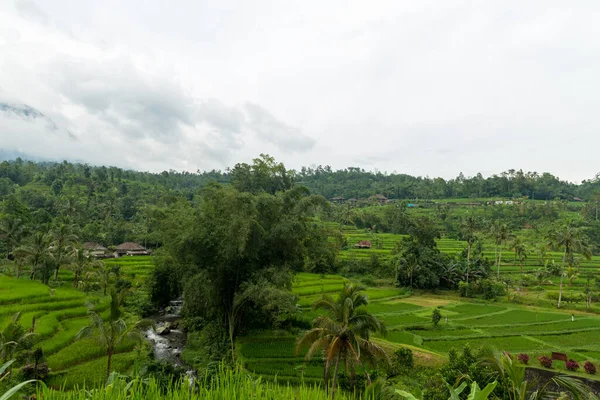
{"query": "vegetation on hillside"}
(444, 265)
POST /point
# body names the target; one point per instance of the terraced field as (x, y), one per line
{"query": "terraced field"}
(509, 327)
(59, 314)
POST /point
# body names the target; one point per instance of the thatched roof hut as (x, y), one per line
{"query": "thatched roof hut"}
(93, 246)
(363, 244)
(131, 249)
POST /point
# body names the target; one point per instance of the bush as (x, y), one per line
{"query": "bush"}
(491, 289)
(545, 361)
(465, 289)
(402, 361)
(436, 316)
(572, 365)
(523, 358)
(589, 367)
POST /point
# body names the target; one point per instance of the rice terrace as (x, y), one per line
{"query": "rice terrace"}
(261, 279)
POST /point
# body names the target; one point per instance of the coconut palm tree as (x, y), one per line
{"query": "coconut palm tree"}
(411, 265)
(36, 251)
(469, 227)
(115, 331)
(63, 239)
(12, 231)
(81, 263)
(343, 334)
(571, 273)
(521, 251)
(571, 240)
(14, 338)
(519, 389)
(500, 232)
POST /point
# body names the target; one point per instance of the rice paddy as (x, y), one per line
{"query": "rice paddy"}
(59, 313)
(505, 325)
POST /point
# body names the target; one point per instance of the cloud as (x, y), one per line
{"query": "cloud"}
(268, 128)
(419, 86)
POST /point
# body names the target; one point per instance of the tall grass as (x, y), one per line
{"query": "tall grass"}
(226, 385)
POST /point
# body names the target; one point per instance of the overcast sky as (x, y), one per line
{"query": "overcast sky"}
(420, 87)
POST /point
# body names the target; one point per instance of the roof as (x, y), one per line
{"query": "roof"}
(378, 197)
(94, 246)
(364, 243)
(130, 246)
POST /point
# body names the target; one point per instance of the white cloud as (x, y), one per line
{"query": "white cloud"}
(422, 87)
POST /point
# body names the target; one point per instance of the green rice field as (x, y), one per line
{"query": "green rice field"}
(507, 326)
(59, 314)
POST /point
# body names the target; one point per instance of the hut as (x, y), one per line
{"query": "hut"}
(95, 249)
(363, 244)
(131, 249)
(379, 198)
(338, 199)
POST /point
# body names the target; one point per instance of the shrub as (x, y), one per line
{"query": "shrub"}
(545, 361)
(491, 289)
(465, 289)
(523, 358)
(589, 367)
(402, 361)
(436, 316)
(572, 365)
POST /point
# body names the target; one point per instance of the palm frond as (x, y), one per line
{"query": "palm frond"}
(319, 344)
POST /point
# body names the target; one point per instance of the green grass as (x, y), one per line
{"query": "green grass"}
(227, 385)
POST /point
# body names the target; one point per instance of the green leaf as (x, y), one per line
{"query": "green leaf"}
(5, 366)
(478, 394)
(12, 391)
(406, 395)
(455, 392)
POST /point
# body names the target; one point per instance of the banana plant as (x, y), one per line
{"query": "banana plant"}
(476, 392)
(15, 389)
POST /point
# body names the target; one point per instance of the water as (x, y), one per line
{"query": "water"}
(168, 346)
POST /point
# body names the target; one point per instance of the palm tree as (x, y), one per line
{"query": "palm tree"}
(103, 274)
(81, 263)
(571, 240)
(63, 239)
(14, 338)
(519, 389)
(411, 265)
(37, 252)
(500, 233)
(71, 208)
(343, 333)
(541, 250)
(515, 244)
(113, 332)
(521, 251)
(468, 228)
(571, 273)
(12, 231)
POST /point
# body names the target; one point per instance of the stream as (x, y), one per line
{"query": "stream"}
(167, 338)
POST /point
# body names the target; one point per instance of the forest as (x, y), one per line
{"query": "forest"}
(296, 284)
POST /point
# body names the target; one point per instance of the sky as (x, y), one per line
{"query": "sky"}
(429, 88)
